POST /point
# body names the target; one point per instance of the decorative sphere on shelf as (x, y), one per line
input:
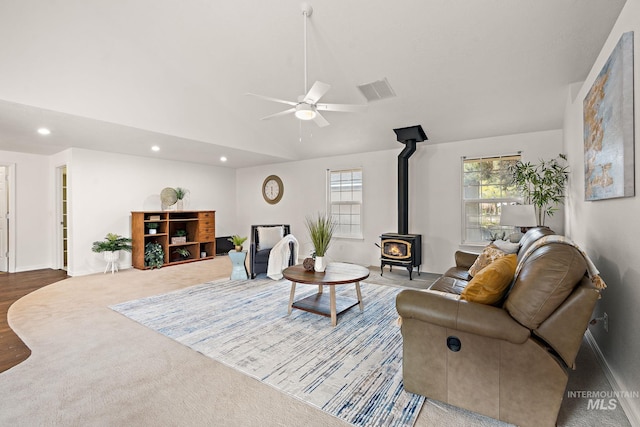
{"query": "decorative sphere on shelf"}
(308, 264)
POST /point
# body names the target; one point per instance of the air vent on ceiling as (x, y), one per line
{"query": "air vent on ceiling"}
(377, 90)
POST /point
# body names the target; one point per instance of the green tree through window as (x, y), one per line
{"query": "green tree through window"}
(486, 186)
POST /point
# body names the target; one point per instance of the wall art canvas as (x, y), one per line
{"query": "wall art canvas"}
(609, 127)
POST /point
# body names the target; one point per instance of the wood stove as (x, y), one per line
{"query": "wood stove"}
(401, 248)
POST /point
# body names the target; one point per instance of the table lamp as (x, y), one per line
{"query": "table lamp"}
(523, 216)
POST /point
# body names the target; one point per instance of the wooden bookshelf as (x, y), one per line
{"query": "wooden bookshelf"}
(200, 227)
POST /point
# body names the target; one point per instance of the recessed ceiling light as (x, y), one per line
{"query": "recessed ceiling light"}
(155, 148)
(44, 131)
(223, 159)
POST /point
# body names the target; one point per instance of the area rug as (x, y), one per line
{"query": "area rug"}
(352, 371)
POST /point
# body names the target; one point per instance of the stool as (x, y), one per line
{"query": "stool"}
(239, 269)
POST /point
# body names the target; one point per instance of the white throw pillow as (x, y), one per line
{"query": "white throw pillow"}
(269, 236)
(507, 247)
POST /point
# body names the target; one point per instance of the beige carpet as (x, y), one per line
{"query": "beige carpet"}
(91, 366)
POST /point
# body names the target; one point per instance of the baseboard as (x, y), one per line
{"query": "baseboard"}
(78, 273)
(22, 269)
(629, 406)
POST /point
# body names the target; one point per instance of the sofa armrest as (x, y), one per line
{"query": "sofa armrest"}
(449, 311)
(465, 259)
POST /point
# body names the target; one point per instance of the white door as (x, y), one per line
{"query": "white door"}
(4, 219)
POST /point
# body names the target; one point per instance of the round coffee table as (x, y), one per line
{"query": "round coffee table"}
(336, 273)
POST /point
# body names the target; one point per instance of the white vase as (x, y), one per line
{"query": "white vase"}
(320, 264)
(180, 205)
(111, 256)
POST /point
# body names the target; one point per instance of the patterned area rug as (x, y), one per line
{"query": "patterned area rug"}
(352, 371)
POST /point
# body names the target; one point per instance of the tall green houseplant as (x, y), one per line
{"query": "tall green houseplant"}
(542, 185)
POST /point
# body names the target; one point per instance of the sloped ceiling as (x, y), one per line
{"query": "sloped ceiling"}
(122, 75)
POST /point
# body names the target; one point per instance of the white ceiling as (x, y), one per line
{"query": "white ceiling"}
(123, 75)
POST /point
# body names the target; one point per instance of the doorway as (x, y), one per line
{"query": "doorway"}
(7, 224)
(62, 221)
(4, 219)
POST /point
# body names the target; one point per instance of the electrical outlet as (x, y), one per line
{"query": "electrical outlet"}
(606, 322)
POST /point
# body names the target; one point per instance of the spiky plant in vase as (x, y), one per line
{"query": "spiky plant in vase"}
(321, 230)
(181, 193)
(237, 242)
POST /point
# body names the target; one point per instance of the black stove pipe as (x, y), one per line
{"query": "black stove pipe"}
(403, 186)
(408, 136)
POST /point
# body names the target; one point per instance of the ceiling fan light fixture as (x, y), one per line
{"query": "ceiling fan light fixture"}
(308, 107)
(305, 112)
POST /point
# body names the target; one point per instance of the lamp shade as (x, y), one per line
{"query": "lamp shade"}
(518, 215)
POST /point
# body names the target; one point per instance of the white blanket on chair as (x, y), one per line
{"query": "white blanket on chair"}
(279, 256)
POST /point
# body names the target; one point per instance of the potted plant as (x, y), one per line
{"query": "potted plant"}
(153, 255)
(112, 243)
(183, 253)
(180, 195)
(321, 230)
(110, 248)
(179, 237)
(152, 227)
(237, 241)
(542, 185)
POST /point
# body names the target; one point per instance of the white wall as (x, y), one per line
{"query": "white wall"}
(434, 186)
(105, 187)
(305, 195)
(608, 229)
(33, 212)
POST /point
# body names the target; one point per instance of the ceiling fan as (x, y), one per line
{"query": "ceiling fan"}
(307, 106)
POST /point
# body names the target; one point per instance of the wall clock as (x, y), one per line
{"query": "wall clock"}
(272, 189)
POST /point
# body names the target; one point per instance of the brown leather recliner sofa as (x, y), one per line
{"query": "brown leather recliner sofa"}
(508, 361)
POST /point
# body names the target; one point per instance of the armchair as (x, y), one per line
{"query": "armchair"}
(263, 238)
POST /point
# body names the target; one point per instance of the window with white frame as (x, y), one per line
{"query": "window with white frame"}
(345, 201)
(486, 186)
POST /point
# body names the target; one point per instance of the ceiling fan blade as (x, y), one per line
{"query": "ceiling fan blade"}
(349, 108)
(316, 92)
(320, 121)
(269, 98)
(281, 113)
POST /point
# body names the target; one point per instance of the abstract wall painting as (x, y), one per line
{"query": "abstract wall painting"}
(609, 127)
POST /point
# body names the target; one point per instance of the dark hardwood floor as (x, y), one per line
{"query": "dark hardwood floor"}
(14, 286)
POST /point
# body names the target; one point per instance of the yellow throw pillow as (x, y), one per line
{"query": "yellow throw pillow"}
(489, 254)
(490, 283)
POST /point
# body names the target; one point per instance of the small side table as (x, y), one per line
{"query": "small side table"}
(239, 269)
